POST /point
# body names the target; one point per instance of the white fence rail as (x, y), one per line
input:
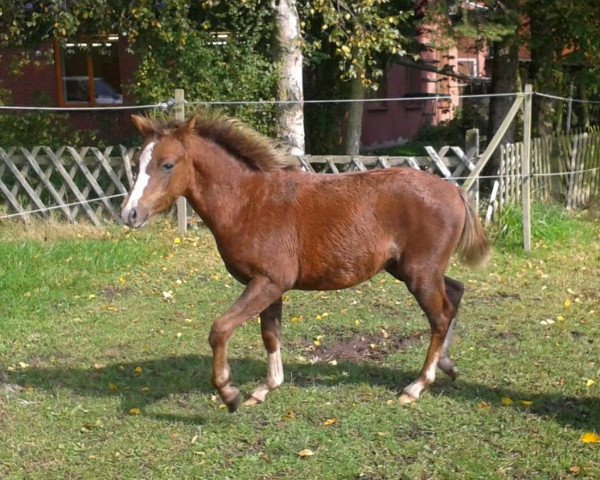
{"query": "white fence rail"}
(566, 167)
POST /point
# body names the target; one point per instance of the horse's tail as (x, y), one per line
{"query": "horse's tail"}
(473, 246)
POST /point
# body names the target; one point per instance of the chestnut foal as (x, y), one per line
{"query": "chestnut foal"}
(278, 228)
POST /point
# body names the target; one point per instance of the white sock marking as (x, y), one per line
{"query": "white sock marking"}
(274, 369)
(142, 180)
(449, 337)
(430, 372)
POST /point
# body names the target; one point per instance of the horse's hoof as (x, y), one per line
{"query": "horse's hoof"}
(447, 366)
(252, 402)
(235, 404)
(406, 398)
(453, 374)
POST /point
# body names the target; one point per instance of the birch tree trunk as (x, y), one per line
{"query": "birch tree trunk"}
(290, 122)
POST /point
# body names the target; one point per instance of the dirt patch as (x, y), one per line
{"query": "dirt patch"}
(10, 388)
(109, 292)
(364, 348)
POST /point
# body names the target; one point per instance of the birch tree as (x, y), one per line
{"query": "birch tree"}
(290, 121)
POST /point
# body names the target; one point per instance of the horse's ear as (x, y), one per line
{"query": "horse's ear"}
(186, 128)
(144, 125)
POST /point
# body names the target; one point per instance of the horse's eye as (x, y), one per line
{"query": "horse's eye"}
(167, 167)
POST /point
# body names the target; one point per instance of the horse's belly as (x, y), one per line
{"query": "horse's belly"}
(331, 275)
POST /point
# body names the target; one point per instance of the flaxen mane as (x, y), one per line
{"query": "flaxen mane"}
(243, 142)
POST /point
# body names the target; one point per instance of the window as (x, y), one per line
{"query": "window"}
(88, 72)
(466, 66)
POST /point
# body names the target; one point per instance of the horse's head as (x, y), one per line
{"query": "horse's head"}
(165, 170)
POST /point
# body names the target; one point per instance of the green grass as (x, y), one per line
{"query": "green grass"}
(80, 311)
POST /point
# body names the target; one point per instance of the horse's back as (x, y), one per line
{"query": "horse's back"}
(351, 226)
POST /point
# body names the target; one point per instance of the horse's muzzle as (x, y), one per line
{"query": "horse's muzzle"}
(134, 218)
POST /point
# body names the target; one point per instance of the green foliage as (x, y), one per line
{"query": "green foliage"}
(30, 129)
(209, 72)
(362, 33)
(455, 20)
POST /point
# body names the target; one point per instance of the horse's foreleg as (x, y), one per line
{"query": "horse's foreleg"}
(270, 327)
(440, 311)
(258, 295)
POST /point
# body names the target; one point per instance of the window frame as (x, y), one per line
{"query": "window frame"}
(60, 78)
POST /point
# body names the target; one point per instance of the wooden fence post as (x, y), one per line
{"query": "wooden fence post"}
(570, 109)
(181, 201)
(472, 152)
(526, 169)
(494, 142)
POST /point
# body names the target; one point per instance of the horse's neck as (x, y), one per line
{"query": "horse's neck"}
(219, 190)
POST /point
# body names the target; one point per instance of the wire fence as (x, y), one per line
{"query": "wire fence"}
(167, 104)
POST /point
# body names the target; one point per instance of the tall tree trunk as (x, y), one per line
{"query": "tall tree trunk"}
(540, 72)
(290, 122)
(584, 117)
(355, 115)
(505, 70)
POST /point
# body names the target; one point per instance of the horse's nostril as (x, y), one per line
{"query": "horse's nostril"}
(132, 215)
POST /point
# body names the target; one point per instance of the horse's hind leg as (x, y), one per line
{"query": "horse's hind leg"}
(454, 292)
(270, 328)
(430, 293)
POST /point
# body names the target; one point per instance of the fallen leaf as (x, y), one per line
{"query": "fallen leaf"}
(506, 401)
(590, 383)
(290, 415)
(305, 453)
(113, 387)
(99, 366)
(137, 370)
(567, 303)
(526, 403)
(575, 470)
(484, 405)
(135, 411)
(176, 241)
(329, 422)
(590, 437)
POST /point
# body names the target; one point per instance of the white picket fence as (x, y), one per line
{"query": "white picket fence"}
(564, 167)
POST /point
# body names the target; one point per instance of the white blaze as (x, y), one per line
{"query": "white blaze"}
(142, 180)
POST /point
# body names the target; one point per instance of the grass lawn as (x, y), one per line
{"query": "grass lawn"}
(105, 365)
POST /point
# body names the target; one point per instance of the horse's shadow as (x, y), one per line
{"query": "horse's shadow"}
(161, 378)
